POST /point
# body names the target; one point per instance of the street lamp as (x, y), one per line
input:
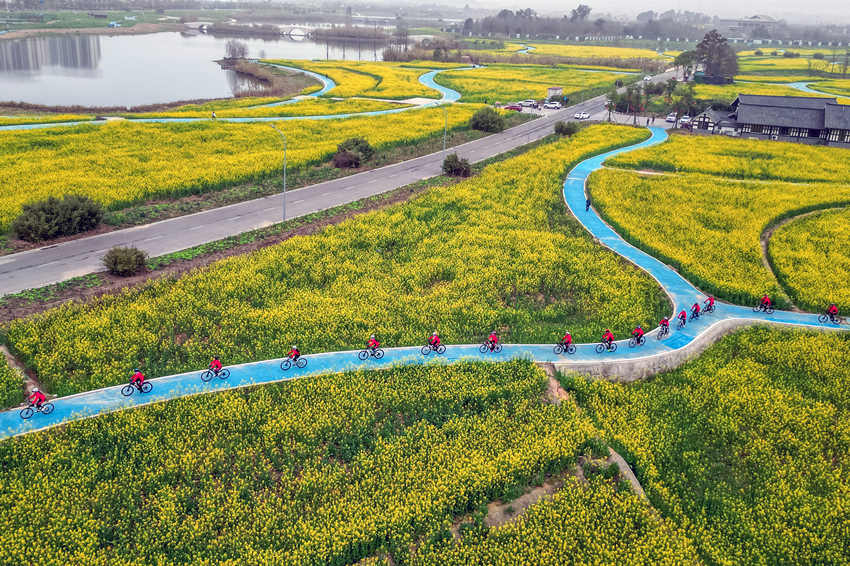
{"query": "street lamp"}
(284, 169)
(445, 126)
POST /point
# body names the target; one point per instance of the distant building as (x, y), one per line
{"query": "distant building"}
(748, 28)
(787, 118)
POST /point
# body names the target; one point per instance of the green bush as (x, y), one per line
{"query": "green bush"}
(125, 261)
(53, 217)
(359, 146)
(567, 128)
(487, 120)
(454, 166)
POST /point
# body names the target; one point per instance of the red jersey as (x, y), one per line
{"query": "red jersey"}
(765, 300)
(664, 322)
(683, 315)
(138, 376)
(434, 340)
(608, 336)
(710, 301)
(567, 339)
(832, 309)
(37, 397)
(372, 343)
(695, 308)
(215, 365)
(493, 338)
(637, 332)
(294, 353)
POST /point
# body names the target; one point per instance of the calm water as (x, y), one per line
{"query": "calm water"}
(132, 70)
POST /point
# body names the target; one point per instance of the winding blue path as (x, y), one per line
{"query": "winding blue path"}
(447, 95)
(682, 293)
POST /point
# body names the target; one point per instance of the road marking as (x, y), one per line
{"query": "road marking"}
(298, 201)
(152, 238)
(195, 228)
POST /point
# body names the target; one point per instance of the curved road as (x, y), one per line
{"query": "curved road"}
(682, 293)
(60, 262)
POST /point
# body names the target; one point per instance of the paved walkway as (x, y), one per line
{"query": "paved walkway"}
(681, 292)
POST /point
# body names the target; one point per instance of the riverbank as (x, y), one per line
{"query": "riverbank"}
(138, 29)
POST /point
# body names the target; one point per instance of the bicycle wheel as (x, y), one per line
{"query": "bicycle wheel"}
(224, 374)
(286, 364)
(363, 354)
(497, 348)
(441, 349)
(26, 413)
(127, 390)
(822, 318)
(425, 350)
(207, 375)
(47, 408)
(147, 386)
(756, 308)
(613, 347)
(769, 310)
(483, 348)
(558, 349)
(600, 348)
(642, 340)
(632, 342)
(571, 349)
(379, 354)
(301, 362)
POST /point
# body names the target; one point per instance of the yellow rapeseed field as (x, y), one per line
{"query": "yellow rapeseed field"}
(497, 251)
(308, 107)
(122, 162)
(811, 257)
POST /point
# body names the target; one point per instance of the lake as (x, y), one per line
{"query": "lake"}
(133, 70)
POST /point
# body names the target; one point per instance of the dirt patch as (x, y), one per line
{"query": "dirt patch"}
(29, 378)
(555, 394)
(499, 513)
(15, 307)
(626, 472)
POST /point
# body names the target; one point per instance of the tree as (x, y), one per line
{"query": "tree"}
(454, 166)
(716, 56)
(684, 60)
(580, 13)
(670, 88)
(611, 103)
(683, 101)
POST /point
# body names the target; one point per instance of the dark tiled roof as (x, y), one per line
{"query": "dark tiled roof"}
(783, 101)
(786, 117)
(837, 116)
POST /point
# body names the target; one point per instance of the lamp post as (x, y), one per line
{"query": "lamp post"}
(284, 169)
(445, 126)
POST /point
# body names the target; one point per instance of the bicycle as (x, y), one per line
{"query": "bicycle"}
(635, 341)
(708, 308)
(377, 353)
(485, 347)
(560, 348)
(300, 362)
(603, 346)
(662, 332)
(765, 308)
(823, 318)
(428, 348)
(128, 389)
(223, 373)
(30, 409)
(681, 323)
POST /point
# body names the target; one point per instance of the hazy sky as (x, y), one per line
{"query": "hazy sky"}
(831, 11)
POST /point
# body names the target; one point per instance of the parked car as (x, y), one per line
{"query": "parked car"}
(647, 78)
(671, 117)
(528, 102)
(515, 107)
(685, 119)
(552, 105)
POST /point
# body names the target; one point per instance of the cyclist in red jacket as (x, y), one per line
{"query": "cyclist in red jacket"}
(607, 338)
(215, 365)
(709, 302)
(294, 353)
(638, 333)
(765, 302)
(138, 379)
(683, 317)
(434, 340)
(695, 310)
(832, 311)
(664, 323)
(492, 340)
(37, 398)
(372, 344)
(567, 339)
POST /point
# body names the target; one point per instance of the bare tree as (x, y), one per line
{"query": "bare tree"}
(236, 49)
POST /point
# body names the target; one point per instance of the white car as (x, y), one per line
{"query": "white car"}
(552, 105)
(528, 102)
(647, 78)
(685, 119)
(671, 118)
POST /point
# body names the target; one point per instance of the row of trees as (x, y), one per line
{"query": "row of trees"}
(679, 98)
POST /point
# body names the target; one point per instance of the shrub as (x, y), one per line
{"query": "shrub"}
(359, 146)
(125, 261)
(758, 52)
(454, 166)
(346, 160)
(566, 128)
(53, 217)
(818, 56)
(487, 120)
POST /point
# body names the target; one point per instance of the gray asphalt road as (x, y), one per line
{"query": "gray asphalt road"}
(59, 262)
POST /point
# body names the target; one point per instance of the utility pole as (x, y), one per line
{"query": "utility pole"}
(284, 169)
(445, 127)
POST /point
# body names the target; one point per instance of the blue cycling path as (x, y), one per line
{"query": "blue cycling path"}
(681, 292)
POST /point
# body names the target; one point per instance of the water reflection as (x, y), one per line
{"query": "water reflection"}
(34, 53)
